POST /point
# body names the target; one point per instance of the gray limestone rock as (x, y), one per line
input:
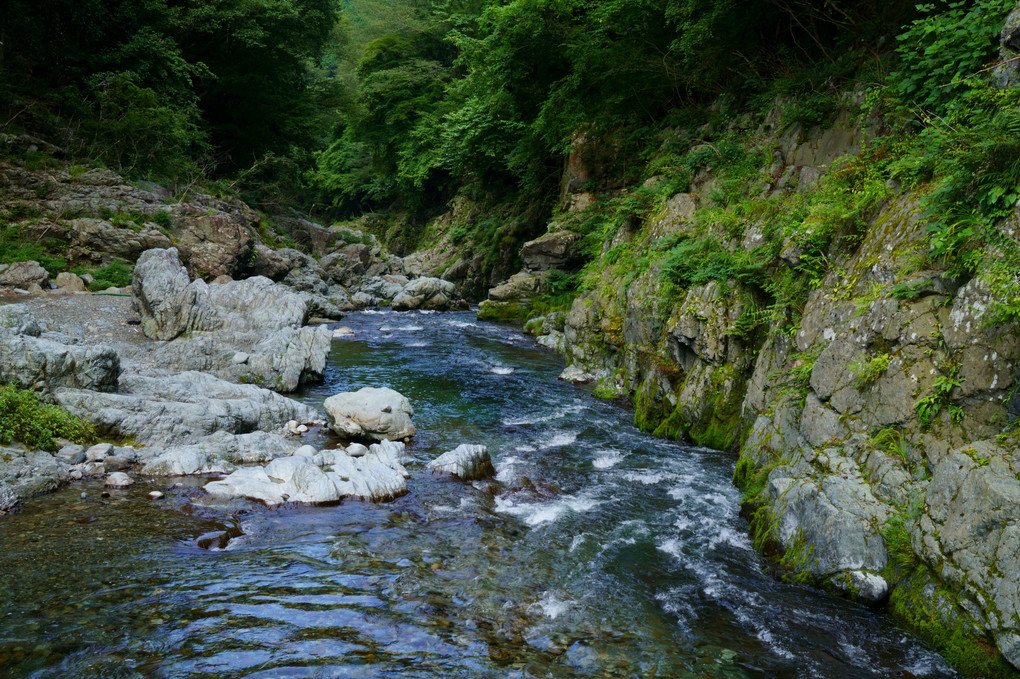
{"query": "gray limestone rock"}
(182, 408)
(27, 473)
(428, 293)
(370, 413)
(466, 462)
(328, 476)
(69, 281)
(119, 480)
(553, 250)
(24, 275)
(45, 365)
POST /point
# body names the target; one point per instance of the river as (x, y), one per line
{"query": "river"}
(602, 552)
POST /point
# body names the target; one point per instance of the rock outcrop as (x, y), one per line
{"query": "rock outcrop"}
(370, 413)
(248, 331)
(32, 361)
(869, 422)
(24, 275)
(428, 293)
(182, 408)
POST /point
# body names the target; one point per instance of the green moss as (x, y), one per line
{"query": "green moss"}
(934, 613)
(504, 312)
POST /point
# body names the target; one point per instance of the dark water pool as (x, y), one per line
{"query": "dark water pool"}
(602, 553)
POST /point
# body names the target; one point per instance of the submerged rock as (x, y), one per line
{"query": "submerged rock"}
(119, 480)
(466, 462)
(370, 413)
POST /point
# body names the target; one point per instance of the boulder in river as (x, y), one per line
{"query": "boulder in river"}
(429, 293)
(370, 413)
(328, 476)
(466, 462)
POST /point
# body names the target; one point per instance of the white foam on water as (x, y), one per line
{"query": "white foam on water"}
(560, 440)
(443, 508)
(427, 312)
(506, 468)
(607, 458)
(417, 345)
(401, 328)
(462, 324)
(542, 419)
(545, 512)
(725, 535)
(501, 370)
(578, 541)
(648, 478)
(375, 312)
(550, 606)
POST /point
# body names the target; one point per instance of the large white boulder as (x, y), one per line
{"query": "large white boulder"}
(328, 476)
(370, 413)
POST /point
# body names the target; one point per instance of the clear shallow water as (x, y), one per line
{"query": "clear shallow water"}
(601, 552)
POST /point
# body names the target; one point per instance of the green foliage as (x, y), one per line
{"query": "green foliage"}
(925, 603)
(17, 246)
(930, 406)
(867, 371)
(170, 89)
(116, 274)
(942, 53)
(25, 419)
(896, 533)
(891, 441)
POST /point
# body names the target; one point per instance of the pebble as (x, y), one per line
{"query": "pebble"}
(155, 495)
(84, 495)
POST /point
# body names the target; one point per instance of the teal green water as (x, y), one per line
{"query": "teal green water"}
(600, 552)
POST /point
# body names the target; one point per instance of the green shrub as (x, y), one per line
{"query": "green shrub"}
(116, 274)
(24, 418)
(16, 246)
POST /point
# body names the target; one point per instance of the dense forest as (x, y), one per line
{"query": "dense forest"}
(394, 108)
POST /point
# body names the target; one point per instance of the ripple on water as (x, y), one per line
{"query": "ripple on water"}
(608, 552)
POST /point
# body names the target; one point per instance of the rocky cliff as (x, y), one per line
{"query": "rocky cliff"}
(869, 393)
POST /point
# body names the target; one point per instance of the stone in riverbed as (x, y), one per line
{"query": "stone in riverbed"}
(370, 413)
(466, 462)
(69, 281)
(328, 476)
(119, 480)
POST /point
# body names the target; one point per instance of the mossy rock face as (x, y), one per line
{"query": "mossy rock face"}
(936, 614)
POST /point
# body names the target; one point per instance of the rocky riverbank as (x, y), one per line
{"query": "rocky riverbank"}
(182, 364)
(875, 420)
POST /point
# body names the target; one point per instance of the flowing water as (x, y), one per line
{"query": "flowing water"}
(601, 552)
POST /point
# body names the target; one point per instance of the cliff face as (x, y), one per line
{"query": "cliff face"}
(871, 414)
